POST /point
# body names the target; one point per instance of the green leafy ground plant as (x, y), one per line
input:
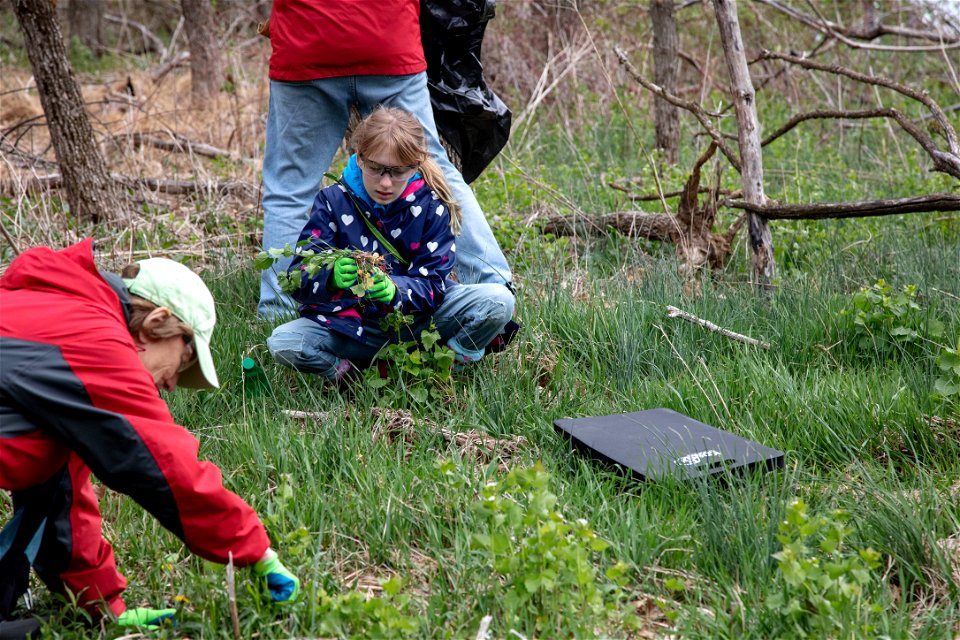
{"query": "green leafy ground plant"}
(826, 586)
(885, 316)
(422, 366)
(947, 385)
(544, 561)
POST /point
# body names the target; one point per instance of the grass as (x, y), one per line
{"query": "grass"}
(348, 512)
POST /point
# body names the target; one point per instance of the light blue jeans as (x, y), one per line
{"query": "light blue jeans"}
(306, 122)
(471, 316)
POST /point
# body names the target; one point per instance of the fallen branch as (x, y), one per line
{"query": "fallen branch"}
(176, 143)
(863, 209)
(303, 415)
(673, 312)
(36, 184)
(653, 226)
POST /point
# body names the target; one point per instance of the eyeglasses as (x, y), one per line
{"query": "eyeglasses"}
(189, 353)
(396, 174)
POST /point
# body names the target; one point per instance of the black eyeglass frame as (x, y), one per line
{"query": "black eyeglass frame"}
(391, 172)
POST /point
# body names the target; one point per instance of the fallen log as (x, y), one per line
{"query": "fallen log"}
(862, 209)
(34, 184)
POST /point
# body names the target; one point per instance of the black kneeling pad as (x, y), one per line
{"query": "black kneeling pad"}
(658, 443)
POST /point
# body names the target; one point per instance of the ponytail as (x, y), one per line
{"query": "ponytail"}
(433, 176)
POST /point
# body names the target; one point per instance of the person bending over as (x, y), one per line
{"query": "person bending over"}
(84, 354)
(394, 201)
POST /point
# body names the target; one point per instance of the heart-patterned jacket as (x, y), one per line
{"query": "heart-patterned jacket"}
(417, 225)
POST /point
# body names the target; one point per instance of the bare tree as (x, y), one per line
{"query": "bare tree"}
(206, 60)
(85, 18)
(666, 43)
(748, 129)
(90, 192)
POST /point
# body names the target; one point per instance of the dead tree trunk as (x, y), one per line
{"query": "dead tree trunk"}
(90, 192)
(748, 128)
(665, 61)
(206, 61)
(84, 18)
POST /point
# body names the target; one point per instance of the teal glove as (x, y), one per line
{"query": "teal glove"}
(143, 617)
(344, 273)
(383, 289)
(284, 587)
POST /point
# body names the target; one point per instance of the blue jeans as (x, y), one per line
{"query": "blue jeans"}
(471, 315)
(306, 122)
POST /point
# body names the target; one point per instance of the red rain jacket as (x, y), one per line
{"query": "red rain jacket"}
(314, 39)
(75, 397)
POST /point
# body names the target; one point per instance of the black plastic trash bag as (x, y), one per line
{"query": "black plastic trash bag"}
(473, 121)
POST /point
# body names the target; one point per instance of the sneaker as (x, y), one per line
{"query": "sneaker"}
(505, 337)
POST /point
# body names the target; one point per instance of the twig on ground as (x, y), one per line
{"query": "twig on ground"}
(177, 143)
(483, 632)
(673, 312)
(946, 293)
(303, 415)
(232, 596)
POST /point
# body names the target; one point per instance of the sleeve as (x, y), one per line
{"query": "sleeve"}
(422, 288)
(96, 397)
(318, 235)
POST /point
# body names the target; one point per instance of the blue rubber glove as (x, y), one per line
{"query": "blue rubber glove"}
(284, 587)
(344, 273)
(383, 289)
(144, 617)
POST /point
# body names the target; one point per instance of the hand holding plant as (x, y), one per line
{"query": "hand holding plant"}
(344, 273)
(362, 266)
(383, 289)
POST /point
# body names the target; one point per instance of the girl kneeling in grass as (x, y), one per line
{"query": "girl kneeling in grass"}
(392, 200)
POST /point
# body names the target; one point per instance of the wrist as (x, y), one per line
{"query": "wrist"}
(264, 563)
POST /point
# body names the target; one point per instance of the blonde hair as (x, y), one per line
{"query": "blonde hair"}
(141, 308)
(391, 131)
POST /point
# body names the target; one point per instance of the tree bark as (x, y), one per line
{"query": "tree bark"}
(748, 129)
(206, 61)
(665, 68)
(85, 17)
(90, 192)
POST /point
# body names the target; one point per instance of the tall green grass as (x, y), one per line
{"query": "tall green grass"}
(346, 511)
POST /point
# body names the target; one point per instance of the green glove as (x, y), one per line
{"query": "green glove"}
(344, 273)
(143, 617)
(284, 587)
(383, 289)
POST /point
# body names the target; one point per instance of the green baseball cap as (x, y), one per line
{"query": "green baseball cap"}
(170, 284)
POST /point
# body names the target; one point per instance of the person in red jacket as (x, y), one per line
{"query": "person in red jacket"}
(83, 355)
(329, 56)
